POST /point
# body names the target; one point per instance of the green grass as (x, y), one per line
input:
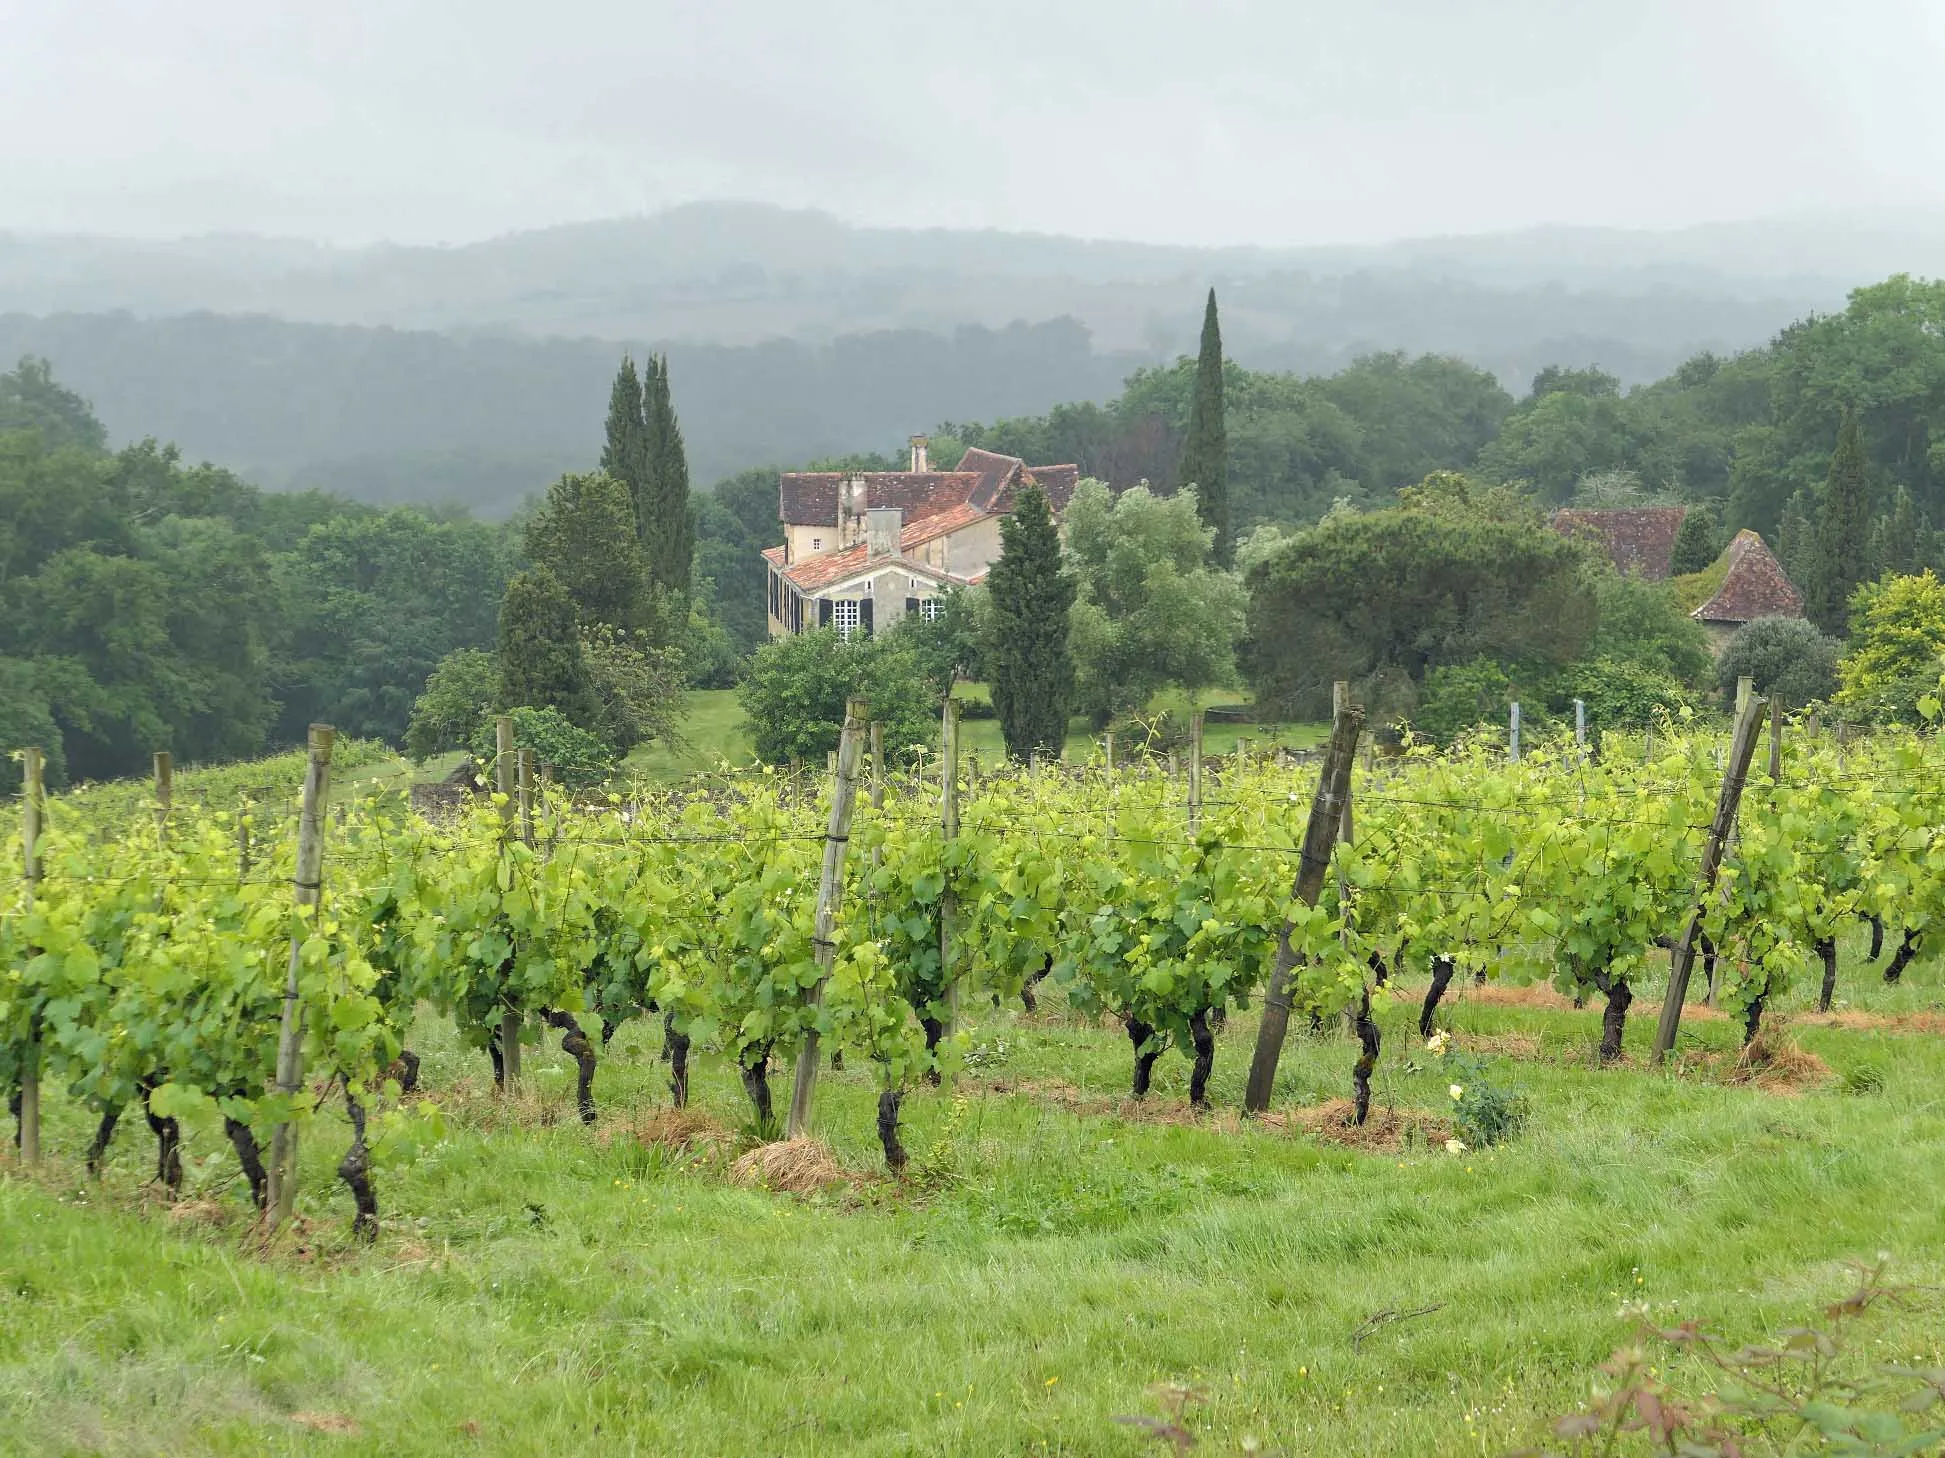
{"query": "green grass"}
(540, 1288)
(716, 732)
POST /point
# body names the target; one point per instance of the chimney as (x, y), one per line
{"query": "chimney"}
(851, 505)
(919, 461)
(883, 528)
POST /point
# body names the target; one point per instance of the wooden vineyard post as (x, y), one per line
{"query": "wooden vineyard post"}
(523, 768)
(1195, 773)
(1735, 772)
(32, 801)
(306, 885)
(165, 792)
(1745, 689)
(1775, 741)
(830, 887)
(877, 765)
(949, 831)
(1326, 815)
(506, 770)
(1107, 752)
(1580, 727)
(1340, 700)
(1513, 733)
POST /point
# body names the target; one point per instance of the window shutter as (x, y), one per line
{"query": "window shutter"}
(864, 614)
(823, 612)
(911, 605)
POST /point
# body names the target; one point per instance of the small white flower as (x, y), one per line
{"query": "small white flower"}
(1457, 1092)
(1455, 1146)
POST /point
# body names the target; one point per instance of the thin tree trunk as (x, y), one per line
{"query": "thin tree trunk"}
(1900, 959)
(1204, 1043)
(355, 1170)
(1367, 1058)
(676, 1044)
(104, 1135)
(1442, 970)
(1614, 1020)
(1140, 1034)
(756, 1083)
(1827, 949)
(574, 1043)
(888, 1102)
(244, 1141)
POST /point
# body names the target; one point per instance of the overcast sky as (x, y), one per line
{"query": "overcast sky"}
(1192, 121)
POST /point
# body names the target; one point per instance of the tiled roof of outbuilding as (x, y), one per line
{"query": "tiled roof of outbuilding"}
(1755, 586)
(1639, 539)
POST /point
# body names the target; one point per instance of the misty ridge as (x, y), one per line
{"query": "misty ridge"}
(470, 373)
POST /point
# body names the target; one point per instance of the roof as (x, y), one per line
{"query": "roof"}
(1057, 481)
(1638, 539)
(809, 498)
(985, 479)
(1754, 587)
(814, 574)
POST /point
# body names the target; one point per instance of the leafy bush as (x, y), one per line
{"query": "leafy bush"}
(574, 756)
(1897, 639)
(795, 691)
(1457, 698)
(1789, 658)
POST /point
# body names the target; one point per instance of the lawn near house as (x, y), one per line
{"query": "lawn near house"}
(716, 732)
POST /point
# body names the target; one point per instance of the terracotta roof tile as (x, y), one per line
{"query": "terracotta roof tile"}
(809, 498)
(813, 574)
(1755, 586)
(1057, 481)
(1638, 539)
(996, 474)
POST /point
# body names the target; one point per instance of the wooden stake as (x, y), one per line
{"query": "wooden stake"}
(877, 765)
(1580, 726)
(503, 766)
(830, 888)
(1775, 741)
(32, 803)
(1741, 751)
(949, 829)
(1340, 700)
(1745, 687)
(1513, 732)
(1107, 749)
(1326, 815)
(306, 886)
(165, 791)
(1195, 772)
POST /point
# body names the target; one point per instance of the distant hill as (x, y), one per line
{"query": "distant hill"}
(391, 415)
(741, 273)
(477, 372)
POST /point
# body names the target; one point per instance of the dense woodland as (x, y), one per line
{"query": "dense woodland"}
(150, 601)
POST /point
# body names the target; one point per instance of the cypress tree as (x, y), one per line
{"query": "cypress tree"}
(667, 517)
(1840, 559)
(625, 455)
(1028, 660)
(541, 662)
(584, 533)
(1205, 455)
(1696, 543)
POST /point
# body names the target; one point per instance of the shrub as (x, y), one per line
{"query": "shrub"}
(1789, 658)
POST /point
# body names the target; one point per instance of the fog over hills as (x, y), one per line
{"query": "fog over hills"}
(476, 371)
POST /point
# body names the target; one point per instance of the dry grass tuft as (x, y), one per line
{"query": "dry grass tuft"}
(1385, 1131)
(689, 1130)
(1776, 1065)
(199, 1212)
(792, 1166)
(326, 1422)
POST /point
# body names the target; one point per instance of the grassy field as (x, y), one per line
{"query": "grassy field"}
(540, 1287)
(714, 726)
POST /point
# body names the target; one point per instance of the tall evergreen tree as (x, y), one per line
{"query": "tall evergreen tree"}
(1697, 543)
(584, 533)
(667, 516)
(1841, 558)
(541, 662)
(625, 456)
(1028, 659)
(1205, 455)
(1901, 539)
